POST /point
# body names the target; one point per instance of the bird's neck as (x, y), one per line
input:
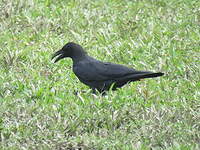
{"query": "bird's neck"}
(79, 57)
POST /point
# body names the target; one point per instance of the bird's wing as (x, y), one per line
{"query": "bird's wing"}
(94, 70)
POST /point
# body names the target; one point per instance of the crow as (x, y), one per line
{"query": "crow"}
(98, 75)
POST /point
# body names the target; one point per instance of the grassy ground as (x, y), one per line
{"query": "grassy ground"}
(39, 108)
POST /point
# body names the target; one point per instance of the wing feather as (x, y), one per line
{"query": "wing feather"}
(93, 70)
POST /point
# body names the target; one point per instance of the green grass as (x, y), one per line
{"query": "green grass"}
(39, 108)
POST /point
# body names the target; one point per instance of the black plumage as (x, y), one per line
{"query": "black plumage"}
(100, 75)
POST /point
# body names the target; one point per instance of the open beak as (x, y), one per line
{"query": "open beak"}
(60, 55)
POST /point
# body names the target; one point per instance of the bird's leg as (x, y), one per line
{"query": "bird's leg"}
(94, 91)
(103, 93)
(75, 92)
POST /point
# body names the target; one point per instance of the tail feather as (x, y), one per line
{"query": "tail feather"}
(136, 77)
(150, 75)
(142, 75)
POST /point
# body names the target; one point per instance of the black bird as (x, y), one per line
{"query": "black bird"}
(100, 75)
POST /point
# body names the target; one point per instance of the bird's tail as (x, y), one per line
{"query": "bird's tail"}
(143, 75)
(150, 75)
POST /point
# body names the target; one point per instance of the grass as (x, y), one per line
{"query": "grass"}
(44, 106)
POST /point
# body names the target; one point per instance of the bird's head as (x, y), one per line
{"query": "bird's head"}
(71, 50)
